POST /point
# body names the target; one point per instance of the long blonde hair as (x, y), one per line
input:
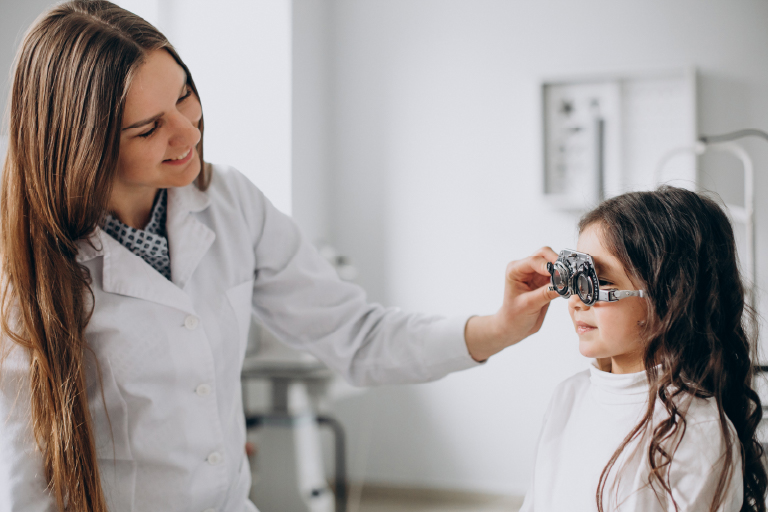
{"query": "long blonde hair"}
(72, 75)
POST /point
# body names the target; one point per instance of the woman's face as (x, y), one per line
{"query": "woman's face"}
(160, 129)
(609, 329)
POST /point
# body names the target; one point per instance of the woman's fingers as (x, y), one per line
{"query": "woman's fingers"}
(539, 299)
(547, 253)
(532, 269)
(526, 300)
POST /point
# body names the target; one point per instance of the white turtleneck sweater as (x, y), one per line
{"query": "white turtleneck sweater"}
(589, 416)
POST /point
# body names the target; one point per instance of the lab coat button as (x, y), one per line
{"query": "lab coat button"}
(191, 322)
(203, 390)
(214, 459)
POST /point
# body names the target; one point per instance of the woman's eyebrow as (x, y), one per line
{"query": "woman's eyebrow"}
(145, 121)
(158, 116)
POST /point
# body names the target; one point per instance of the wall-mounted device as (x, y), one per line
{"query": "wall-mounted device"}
(603, 135)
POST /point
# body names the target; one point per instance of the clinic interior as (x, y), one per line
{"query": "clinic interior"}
(408, 139)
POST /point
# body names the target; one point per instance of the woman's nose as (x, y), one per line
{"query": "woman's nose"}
(185, 132)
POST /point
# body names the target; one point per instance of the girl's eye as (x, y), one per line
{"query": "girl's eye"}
(604, 283)
(148, 133)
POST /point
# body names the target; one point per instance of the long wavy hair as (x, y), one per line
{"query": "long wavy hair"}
(700, 335)
(72, 74)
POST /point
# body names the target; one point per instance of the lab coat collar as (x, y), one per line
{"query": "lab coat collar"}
(188, 238)
(124, 273)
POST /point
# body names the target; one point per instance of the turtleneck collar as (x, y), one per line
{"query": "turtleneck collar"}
(618, 388)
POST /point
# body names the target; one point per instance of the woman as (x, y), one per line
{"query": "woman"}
(131, 270)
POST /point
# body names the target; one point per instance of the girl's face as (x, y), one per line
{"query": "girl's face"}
(609, 330)
(160, 129)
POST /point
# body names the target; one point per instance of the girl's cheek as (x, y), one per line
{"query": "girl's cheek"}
(633, 319)
(639, 314)
(612, 322)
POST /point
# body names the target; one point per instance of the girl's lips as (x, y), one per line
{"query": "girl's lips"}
(187, 158)
(582, 328)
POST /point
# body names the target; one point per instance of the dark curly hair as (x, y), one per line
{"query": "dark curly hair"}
(700, 336)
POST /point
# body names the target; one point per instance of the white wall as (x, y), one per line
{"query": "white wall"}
(239, 53)
(15, 18)
(311, 118)
(436, 185)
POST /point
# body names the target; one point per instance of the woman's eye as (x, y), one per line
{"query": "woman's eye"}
(187, 94)
(149, 132)
(601, 282)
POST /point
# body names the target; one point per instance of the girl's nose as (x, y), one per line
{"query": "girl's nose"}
(574, 302)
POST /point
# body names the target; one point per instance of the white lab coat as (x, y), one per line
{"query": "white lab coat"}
(170, 353)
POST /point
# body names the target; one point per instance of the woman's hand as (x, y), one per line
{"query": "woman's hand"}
(526, 299)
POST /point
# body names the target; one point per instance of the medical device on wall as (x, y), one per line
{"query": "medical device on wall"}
(603, 135)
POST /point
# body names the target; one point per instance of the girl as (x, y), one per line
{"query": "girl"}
(130, 269)
(665, 417)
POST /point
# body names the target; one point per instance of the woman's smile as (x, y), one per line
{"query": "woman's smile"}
(182, 159)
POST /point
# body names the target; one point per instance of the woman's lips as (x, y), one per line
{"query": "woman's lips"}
(582, 327)
(186, 158)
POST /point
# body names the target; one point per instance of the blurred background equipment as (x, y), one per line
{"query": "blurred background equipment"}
(284, 419)
(287, 468)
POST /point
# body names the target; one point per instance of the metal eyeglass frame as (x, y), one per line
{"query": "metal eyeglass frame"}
(574, 268)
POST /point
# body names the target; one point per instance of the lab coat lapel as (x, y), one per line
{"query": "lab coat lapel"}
(124, 273)
(188, 238)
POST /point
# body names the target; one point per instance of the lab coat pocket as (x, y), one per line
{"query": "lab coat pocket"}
(241, 299)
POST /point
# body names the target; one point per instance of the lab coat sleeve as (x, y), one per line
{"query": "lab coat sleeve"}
(23, 486)
(300, 298)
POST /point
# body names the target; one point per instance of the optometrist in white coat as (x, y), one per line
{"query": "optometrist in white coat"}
(163, 358)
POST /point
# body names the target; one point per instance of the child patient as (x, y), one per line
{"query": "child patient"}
(665, 417)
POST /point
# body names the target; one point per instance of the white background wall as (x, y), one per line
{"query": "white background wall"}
(15, 17)
(239, 53)
(406, 132)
